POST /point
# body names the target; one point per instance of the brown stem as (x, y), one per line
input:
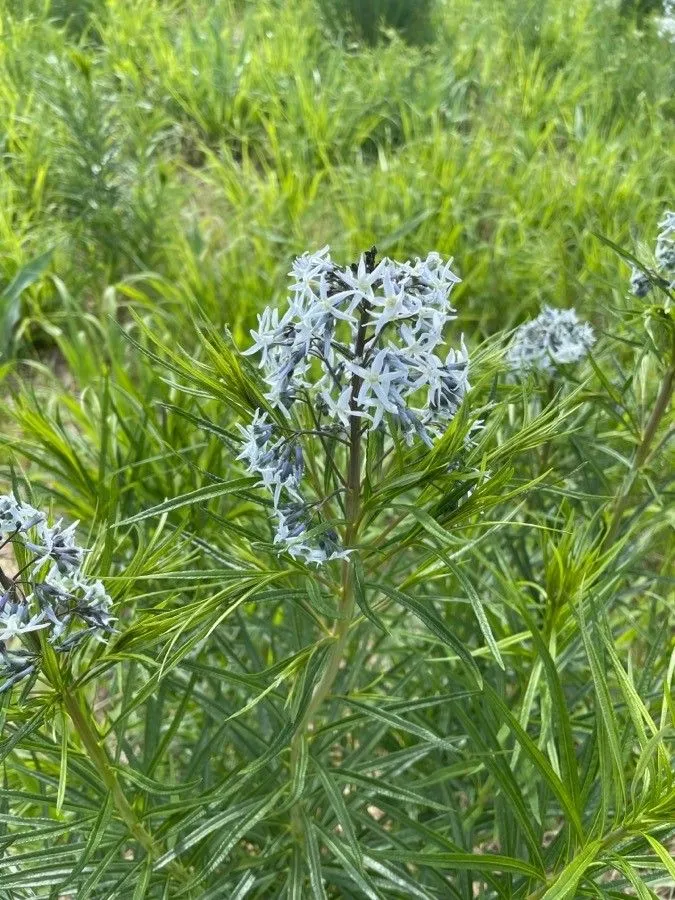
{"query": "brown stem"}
(642, 453)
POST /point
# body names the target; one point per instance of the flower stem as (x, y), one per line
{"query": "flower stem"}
(642, 452)
(98, 756)
(346, 601)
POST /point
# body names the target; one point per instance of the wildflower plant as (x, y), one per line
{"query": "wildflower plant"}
(464, 689)
(555, 338)
(641, 280)
(361, 347)
(373, 585)
(50, 594)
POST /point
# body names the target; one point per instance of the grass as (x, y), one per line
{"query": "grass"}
(510, 733)
(209, 145)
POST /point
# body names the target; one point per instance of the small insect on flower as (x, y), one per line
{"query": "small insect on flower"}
(556, 337)
(360, 345)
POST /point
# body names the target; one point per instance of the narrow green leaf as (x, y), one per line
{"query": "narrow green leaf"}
(537, 758)
(337, 802)
(100, 870)
(143, 881)
(397, 879)
(479, 611)
(489, 862)
(150, 785)
(384, 788)
(94, 839)
(243, 886)
(295, 887)
(426, 613)
(642, 892)
(565, 885)
(63, 764)
(612, 777)
(23, 732)
(662, 853)
(299, 770)
(10, 297)
(398, 722)
(360, 593)
(563, 727)
(653, 277)
(313, 860)
(213, 823)
(360, 879)
(208, 492)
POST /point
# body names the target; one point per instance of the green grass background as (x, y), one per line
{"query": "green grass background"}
(208, 142)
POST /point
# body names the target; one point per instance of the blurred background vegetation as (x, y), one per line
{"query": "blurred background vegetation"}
(208, 142)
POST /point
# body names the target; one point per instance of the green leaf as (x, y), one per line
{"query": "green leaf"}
(537, 758)
(208, 492)
(214, 823)
(481, 732)
(427, 615)
(243, 887)
(94, 839)
(63, 765)
(301, 760)
(313, 859)
(565, 885)
(336, 799)
(397, 879)
(662, 853)
(23, 732)
(150, 785)
(10, 297)
(563, 727)
(642, 892)
(653, 277)
(381, 787)
(488, 862)
(360, 879)
(398, 722)
(477, 606)
(296, 876)
(360, 592)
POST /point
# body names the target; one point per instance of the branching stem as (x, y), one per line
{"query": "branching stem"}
(643, 450)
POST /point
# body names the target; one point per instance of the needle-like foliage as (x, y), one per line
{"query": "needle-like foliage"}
(376, 601)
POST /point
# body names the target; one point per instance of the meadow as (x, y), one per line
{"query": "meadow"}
(477, 701)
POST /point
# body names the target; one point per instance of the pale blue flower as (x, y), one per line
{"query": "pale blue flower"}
(556, 337)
